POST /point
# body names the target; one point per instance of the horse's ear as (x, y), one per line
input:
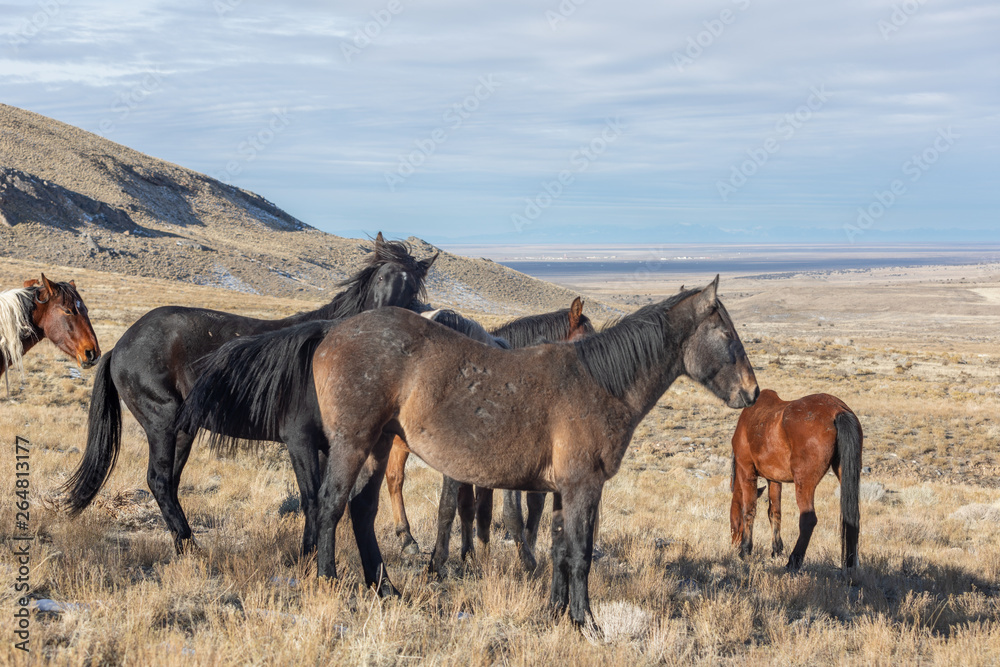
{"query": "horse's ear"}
(379, 241)
(30, 282)
(708, 297)
(575, 312)
(426, 263)
(72, 284)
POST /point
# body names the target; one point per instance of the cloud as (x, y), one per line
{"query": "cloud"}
(698, 86)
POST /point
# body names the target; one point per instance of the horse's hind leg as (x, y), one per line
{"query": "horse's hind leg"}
(446, 517)
(395, 475)
(805, 491)
(466, 500)
(774, 516)
(536, 504)
(364, 507)
(306, 464)
(342, 471)
(484, 516)
(162, 483)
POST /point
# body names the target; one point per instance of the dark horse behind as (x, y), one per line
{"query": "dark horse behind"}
(556, 417)
(153, 367)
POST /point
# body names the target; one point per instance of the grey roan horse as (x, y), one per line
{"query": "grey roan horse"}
(556, 417)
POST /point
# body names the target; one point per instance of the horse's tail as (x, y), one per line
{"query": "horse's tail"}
(247, 387)
(104, 441)
(849, 439)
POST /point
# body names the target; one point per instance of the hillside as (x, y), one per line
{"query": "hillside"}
(72, 198)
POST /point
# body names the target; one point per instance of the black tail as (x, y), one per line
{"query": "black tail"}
(104, 441)
(247, 387)
(849, 439)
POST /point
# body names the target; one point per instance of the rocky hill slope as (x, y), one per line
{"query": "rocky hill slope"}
(72, 198)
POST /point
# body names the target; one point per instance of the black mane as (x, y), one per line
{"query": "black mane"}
(534, 329)
(616, 354)
(351, 301)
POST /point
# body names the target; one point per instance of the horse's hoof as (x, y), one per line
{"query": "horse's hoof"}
(186, 545)
(528, 562)
(411, 548)
(793, 566)
(387, 590)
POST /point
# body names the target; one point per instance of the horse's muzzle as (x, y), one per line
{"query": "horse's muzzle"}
(745, 398)
(90, 358)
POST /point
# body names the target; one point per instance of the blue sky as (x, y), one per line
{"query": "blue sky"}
(572, 121)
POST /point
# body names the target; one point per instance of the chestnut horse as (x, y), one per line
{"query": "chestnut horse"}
(796, 441)
(44, 309)
(555, 417)
(561, 325)
(153, 367)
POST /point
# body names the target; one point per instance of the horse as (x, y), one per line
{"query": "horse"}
(555, 417)
(796, 441)
(154, 366)
(477, 503)
(44, 309)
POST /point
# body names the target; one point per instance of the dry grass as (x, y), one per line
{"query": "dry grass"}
(668, 589)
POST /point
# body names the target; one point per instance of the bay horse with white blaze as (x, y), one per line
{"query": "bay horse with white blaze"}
(796, 441)
(556, 417)
(154, 365)
(44, 309)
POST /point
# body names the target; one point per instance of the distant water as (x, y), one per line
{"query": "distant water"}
(555, 269)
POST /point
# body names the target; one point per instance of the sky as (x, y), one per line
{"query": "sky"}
(552, 121)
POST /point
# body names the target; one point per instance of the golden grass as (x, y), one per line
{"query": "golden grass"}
(669, 588)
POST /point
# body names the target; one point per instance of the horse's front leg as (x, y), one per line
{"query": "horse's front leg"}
(559, 598)
(774, 516)
(745, 494)
(579, 516)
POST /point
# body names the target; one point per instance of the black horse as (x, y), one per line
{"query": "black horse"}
(154, 365)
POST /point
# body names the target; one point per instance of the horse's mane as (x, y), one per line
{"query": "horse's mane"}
(15, 305)
(351, 301)
(533, 329)
(467, 327)
(616, 354)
